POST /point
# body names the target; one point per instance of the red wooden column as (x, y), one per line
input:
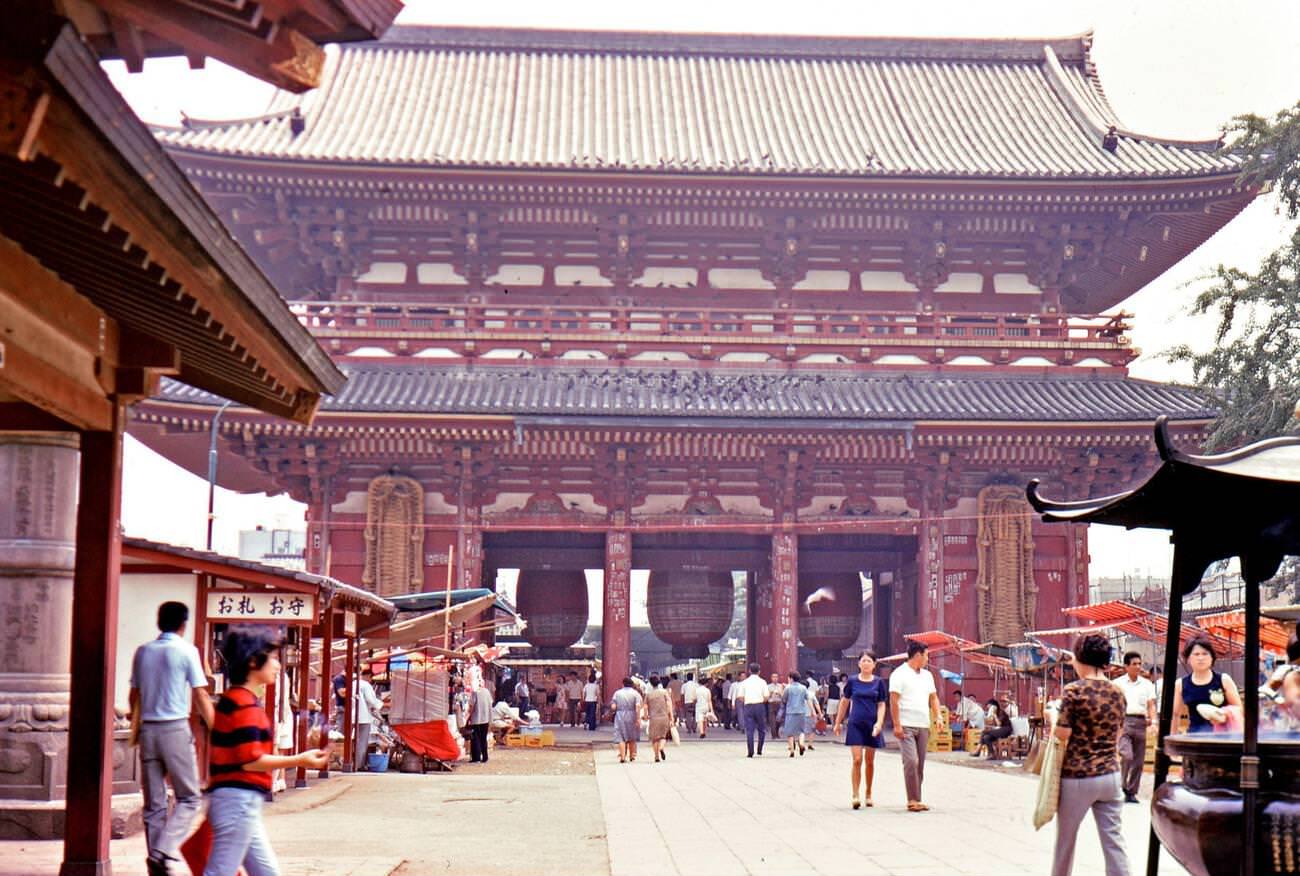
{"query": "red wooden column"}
(304, 694)
(759, 649)
(349, 706)
(784, 630)
(326, 680)
(616, 620)
(94, 654)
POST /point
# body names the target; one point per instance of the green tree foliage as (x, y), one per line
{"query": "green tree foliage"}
(1254, 367)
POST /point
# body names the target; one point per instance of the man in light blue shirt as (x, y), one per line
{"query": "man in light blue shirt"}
(167, 684)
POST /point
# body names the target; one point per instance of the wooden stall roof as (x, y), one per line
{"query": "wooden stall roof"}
(121, 254)
(334, 593)
(275, 40)
(422, 628)
(1274, 634)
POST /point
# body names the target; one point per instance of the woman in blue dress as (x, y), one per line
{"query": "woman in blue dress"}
(863, 705)
(1203, 687)
(627, 707)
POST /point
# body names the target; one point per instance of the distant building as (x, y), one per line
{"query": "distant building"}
(286, 548)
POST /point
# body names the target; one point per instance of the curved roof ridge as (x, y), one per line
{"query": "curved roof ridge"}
(1087, 115)
(1073, 47)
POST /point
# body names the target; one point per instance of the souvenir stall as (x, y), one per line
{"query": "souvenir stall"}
(1235, 811)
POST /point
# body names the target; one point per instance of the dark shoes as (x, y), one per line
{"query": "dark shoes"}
(156, 867)
(1130, 798)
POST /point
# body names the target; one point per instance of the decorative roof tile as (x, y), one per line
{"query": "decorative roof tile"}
(650, 393)
(877, 107)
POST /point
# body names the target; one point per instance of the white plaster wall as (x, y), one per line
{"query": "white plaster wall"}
(1014, 284)
(885, 281)
(738, 278)
(440, 273)
(137, 622)
(675, 277)
(824, 281)
(961, 282)
(518, 275)
(384, 272)
(580, 275)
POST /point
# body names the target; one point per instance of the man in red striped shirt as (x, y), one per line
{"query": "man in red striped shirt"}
(242, 758)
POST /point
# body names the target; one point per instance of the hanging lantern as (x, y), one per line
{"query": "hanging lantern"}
(690, 609)
(832, 620)
(554, 603)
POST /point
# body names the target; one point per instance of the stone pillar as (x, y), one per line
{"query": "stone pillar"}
(784, 635)
(38, 517)
(616, 620)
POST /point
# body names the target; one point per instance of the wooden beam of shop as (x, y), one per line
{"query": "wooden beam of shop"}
(285, 57)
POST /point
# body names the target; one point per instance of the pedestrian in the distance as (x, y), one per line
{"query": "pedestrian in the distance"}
(794, 706)
(167, 685)
(1089, 725)
(480, 718)
(689, 689)
(914, 706)
(774, 705)
(815, 712)
(365, 710)
(590, 700)
(241, 757)
(704, 707)
(662, 714)
(752, 699)
(573, 688)
(627, 707)
(862, 712)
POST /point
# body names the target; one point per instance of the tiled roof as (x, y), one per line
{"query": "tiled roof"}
(650, 393)
(455, 97)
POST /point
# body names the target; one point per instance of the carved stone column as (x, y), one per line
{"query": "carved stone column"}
(785, 593)
(38, 516)
(616, 619)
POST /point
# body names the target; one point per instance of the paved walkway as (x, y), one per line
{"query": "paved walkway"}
(709, 809)
(706, 810)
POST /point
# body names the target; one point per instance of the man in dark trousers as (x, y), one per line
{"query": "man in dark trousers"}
(480, 714)
(167, 685)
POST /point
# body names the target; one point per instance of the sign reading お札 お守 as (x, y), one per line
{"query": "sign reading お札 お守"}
(274, 606)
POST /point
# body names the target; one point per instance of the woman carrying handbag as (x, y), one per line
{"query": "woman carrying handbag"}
(1086, 738)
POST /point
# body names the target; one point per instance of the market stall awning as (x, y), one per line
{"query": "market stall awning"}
(429, 626)
(937, 641)
(1231, 625)
(990, 655)
(1134, 620)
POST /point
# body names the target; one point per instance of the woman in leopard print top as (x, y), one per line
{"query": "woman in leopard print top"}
(1089, 725)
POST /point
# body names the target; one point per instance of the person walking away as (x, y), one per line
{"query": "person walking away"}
(241, 758)
(1139, 714)
(674, 687)
(774, 704)
(365, 709)
(627, 706)
(1000, 729)
(1089, 726)
(590, 698)
(737, 705)
(480, 716)
(914, 705)
(661, 712)
(167, 685)
(574, 689)
(794, 707)
(862, 710)
(1203, 686)
(752, 698)
(704, 708)
(689, 689)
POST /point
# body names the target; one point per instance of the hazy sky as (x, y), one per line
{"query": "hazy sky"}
(1179, 68)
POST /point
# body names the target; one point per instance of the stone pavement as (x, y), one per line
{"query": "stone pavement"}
(706, 810)
(709, 809)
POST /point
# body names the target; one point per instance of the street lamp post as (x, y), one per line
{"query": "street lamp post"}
(212, 467)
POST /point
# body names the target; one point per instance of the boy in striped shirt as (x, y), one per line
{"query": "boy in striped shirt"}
(242, 758)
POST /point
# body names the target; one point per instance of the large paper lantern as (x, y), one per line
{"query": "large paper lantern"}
(830, 613)
(690, 609)
(554, 603)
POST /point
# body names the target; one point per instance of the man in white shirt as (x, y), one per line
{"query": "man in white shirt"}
(574, 689)
(914, 705)
(1139, 713)
(728, 719)
(689, 687)
(751, 694)
(523, 696)
(774, 691)
(366, 706)
(167, 683)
